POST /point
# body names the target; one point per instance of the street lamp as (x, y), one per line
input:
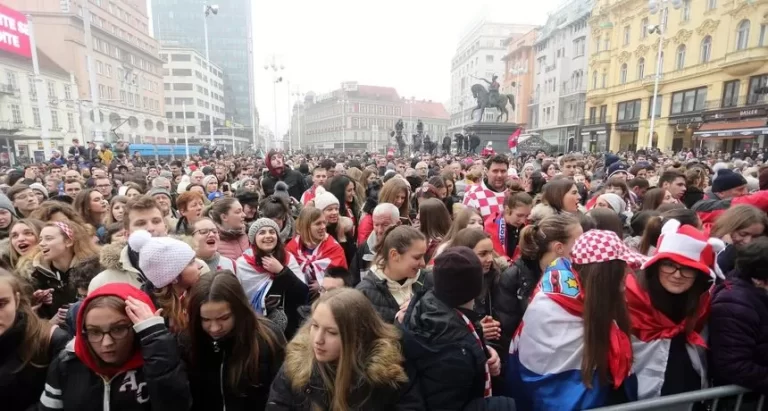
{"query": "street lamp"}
(276, 78)
(208, 10)
(654, 6)
(299, 107)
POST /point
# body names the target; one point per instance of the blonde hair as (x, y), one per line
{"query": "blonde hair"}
(307, 216)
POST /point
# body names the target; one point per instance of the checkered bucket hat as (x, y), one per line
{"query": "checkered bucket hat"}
(599, 246)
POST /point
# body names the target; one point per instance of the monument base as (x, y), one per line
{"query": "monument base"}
(497, 133)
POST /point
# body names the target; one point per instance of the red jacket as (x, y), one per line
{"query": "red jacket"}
(487, 152)
(492, 227)
(711, 207)
(364, 229)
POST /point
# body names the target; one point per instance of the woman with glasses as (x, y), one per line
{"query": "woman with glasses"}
(668, 302)
(122, 358)
(205, 241)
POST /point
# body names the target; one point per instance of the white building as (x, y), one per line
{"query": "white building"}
(193, 93)
(560, 82)
(25, 113)
(478, 55)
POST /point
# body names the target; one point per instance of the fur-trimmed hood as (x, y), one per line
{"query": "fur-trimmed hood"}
(110, 255)
(383, 367)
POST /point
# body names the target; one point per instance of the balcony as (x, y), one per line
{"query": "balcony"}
(569, 88)
(602, 55)
(533, 100)
(8, 89)
(9, 127)
(755, 100)
(595, 121)
(596, 96)
(744, 62)
(551, 67)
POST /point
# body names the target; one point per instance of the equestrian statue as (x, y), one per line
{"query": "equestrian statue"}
(492, 98)
(398, 135)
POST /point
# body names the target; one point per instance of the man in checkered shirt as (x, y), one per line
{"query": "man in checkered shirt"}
(488, 196)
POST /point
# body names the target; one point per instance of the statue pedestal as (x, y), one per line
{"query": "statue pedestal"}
(496, 133)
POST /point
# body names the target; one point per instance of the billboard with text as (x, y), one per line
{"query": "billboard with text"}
(14, 32)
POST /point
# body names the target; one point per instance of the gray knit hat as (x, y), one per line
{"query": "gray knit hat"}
(159, 190)
(39, 188)
(258, 225)
(6, 204)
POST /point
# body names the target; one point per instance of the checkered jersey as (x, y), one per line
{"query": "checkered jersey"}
(482, 198)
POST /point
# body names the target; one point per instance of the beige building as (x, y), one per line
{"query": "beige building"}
(126, 66)
(519, 65)
(714, 59)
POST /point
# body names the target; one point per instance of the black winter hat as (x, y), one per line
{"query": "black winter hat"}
(457, 276)
(726, 179)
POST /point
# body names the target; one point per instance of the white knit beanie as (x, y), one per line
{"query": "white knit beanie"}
(161, 259)
(324, 199)
(618, 205)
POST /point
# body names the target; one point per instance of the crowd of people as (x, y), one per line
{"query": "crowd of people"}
(370, 282)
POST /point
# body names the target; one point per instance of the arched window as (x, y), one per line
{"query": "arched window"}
(640, 68)
(706, 49)
(680, 57)
(742, 35)
(594, 79)
(623, 74)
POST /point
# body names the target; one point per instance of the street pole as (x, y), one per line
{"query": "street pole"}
(656, 80)
(206, 9)
(274, 106)
(94, 85)
(232, 126)
(184, 126)
(42, 108)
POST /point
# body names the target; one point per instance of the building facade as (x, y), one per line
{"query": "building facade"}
(193, 93)
(22, 108)
(479, 55)
(351, 118)
(712, 83)
(127, 71)
(230, 44)
(559, 92)
(433, 115)
(519, 63)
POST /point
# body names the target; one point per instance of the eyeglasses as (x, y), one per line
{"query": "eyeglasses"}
(206, 231)
(104, 186)
(670, 268)
(116, 333)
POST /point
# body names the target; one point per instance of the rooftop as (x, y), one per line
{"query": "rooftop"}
(46, 64)
(374, 93)
(426, 109)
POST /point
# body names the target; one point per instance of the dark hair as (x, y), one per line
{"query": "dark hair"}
(653, 198)
(469, 237)
(340, 273)
(434, 218)
(274, 207)
(751, 260)
(653, 226)
(676, 307)
(221, 207)
(397, 237)
(83, 206)
(514, 200)
(604, 305)
(338, 187)
(606, 219)
(536, 238)
(249, 332)
(638, 222)
(555, 191)
(497, 159)
(670, 176)
(142, 203)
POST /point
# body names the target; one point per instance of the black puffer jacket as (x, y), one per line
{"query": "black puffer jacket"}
(512, 295)
(207, 371)
(383, 302)
(64, 284)
(444, 362)
(292, 178)
(20, 387)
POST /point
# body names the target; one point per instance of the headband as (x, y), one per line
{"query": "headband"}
(64, 227)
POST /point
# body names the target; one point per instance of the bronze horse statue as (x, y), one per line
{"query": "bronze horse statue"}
(482, 96)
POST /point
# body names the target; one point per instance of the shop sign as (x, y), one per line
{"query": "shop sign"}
(591, 129)
(627, 126)
(737, 114)
(685, 120)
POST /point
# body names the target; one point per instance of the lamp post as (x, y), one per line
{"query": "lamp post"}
(276, 78)
(299, 108)
(208, 10)
(654, 6)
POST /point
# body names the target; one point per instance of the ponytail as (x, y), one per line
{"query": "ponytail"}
(536, 238)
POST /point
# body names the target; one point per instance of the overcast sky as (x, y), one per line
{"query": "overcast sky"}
(406, 44)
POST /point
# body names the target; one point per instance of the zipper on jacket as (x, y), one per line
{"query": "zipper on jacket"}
(107, 393)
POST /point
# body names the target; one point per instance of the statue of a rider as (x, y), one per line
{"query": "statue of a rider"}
(493, 90)
(399, 128)
(419, 127)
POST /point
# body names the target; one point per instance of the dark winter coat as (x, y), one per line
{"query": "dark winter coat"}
(299, 387)
(152, 379)
(294, 179)
(512, 295)
(738, 335)
(444, 362)
(20, 388)
(208, 376)
(64, 284)
(383, 302)
(692, 196)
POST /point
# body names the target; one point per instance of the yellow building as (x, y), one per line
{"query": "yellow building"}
(711, 93)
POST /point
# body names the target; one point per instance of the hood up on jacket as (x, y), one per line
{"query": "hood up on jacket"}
(83, 350)
(383, 365)
(430, 324)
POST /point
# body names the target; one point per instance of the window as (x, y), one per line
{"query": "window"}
(70, 122)
(183, 86)
(51, 90)
(54, 120)
(597, 43)
(12, 83)
(640, 68)
(32, 88)
(489, 58)
(742, 35)
(102, 91)
(182, 72)
(604, 80)
(181, 57)
(706, 49)
(627, 34)
(99, 67)
(603, 113)
(680, 58)
(644, 28)
(685, 14)
(628, 111)
(16, 113)
(731, 93)
(657, 112)
(763, 33)
(109, 71)
(757, 87)
(68, 92)
(623, 74)
(711, 4)
(36, 116)
(689, 101)
(122, 96)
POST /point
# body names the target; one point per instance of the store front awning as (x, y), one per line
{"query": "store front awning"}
(739, 129)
